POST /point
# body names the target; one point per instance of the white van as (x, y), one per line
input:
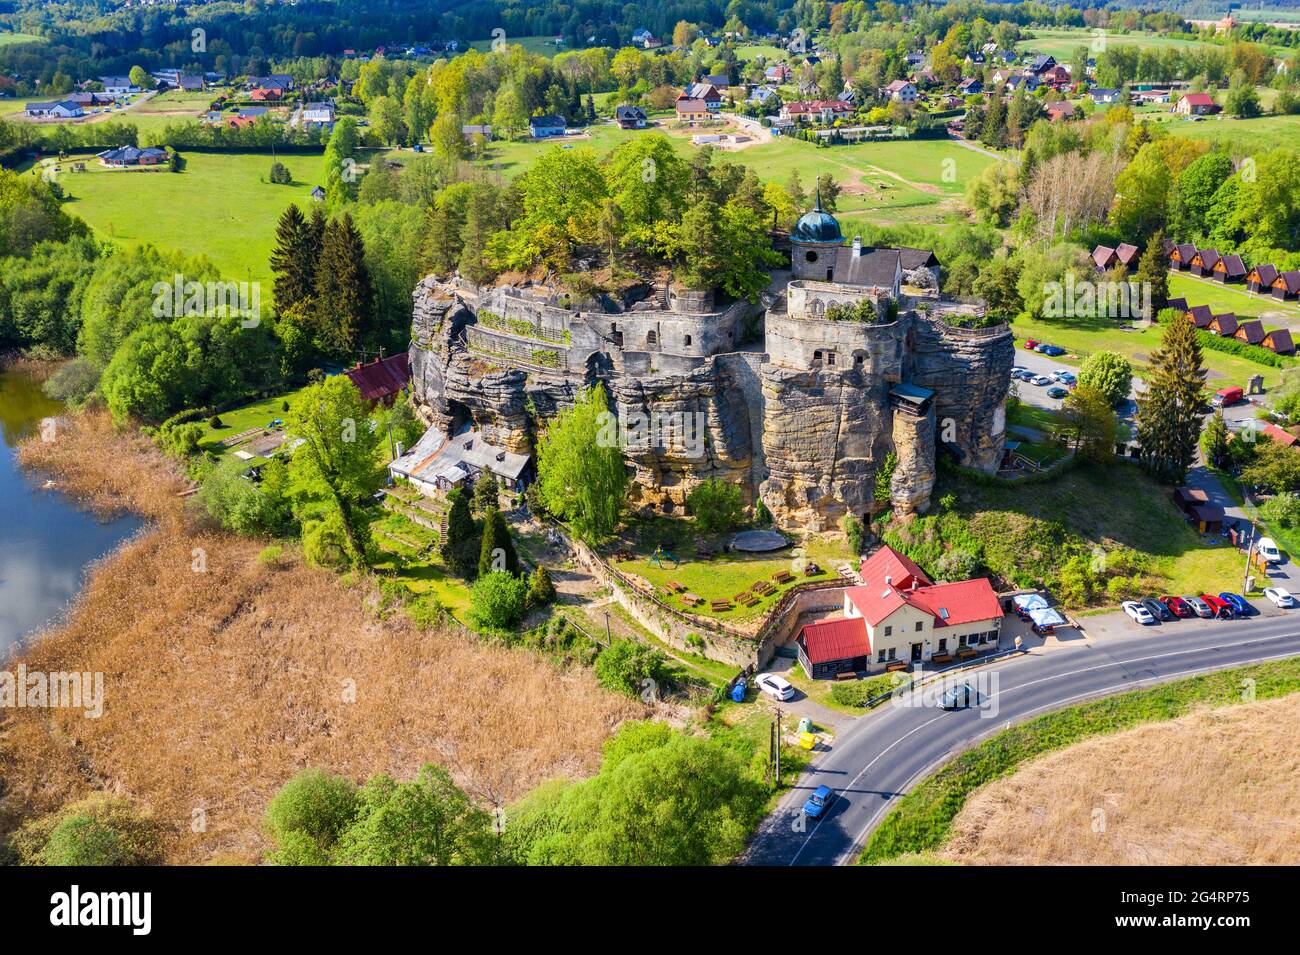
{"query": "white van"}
(1267, 549)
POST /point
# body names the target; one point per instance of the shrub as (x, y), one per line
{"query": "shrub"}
(99, 831)
(307, 816)
(716, 505)
(498, 549)
(280, 174)
(852, 528)
(270, 556)
(625, 665)
(1107, 373)
(541, 590)
(215, 422)
(497, 601)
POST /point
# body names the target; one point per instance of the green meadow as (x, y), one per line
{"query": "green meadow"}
(1242, 135)
(221, 205)
(1061, 43)
(13, 39)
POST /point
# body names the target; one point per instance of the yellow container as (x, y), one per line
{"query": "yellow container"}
(808, 740)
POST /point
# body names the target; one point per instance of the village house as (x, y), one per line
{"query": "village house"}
(824, 111)
(692, 111)
(760, 95)
(133, 156)
(900, 91)
(630, 117)
(1057, 76)
(542, 127)
(318, 114)
(63, 109)
(707, 93)
(899, 617)
(1105, 258)
(1040, 65)
(1195, 104)
(267, 94)
(1181, 255)
(1102, 96)
(118, 86)
(436, 464)
(470, 130)
(382, 380)
(1279, 341)
(1177, 304)
(780, 73)
(1225, 325)
(970, 86)
(280, 81)
(1200, 316)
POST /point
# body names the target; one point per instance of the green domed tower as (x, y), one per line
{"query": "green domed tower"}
(813, 242)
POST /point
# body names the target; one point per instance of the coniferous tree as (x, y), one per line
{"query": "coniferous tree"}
(293, 261)
(498, 549)
(1152, 272)
(344, 297)
(460, 550)
(994, 130)
(1169, 411)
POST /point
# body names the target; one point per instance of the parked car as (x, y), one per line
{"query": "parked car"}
(1056, 391)
(1267, 548)
(1226, 397)
(958, 696)
(1200, 606)
(1031, 344)
(1237, 603)
(823, 798)
(1018, 370)
(1051, 350)
(1065, 377)
(1157, 609)
(1040, 380)
(1280, 596)
(1139, 613)
(1178, 606)
(1221, 608)
(777, 687)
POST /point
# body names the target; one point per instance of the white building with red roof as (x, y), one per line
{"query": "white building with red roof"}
(898, 616)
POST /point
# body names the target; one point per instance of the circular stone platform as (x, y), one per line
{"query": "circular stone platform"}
(757, 542)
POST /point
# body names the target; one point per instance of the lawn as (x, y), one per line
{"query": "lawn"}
(13, 39)
(752, 51)
(1083, 336)
(539, 45)
(1242, 135)
(1026, 533)
(221, 206)
(1061, 43)
(922, 820)
(1232, 298)
(256, 414)
(418, 568)
(727, 575)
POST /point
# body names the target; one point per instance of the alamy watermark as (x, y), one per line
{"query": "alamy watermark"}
(182, 299)
(36, 689)
(1103, 299)
(677, 432)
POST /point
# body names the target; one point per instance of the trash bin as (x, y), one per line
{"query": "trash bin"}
(738, 692)
(806, 724)
(807, 741)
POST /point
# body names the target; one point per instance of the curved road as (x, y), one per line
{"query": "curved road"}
(881, 755)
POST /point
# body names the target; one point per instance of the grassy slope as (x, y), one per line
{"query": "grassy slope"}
(1232, 298)
(1061, 43)
(1028, 532)
(1242, 135)
(923, 818)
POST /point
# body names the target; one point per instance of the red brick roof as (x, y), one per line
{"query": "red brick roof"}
(962, 601)
(952, 603)
(1199, 99)
(835, 639)
(382, 378)
(1281, 437)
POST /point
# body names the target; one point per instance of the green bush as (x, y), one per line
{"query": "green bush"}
(716, 505)
(99, 831)
(625, 665)
(497, 601)
(215, 422)
(307, 816)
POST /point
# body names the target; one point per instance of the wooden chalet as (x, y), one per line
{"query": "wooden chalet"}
(1178, 303)
(1229, 268)
(1279, 341)
(1181, 255)
(1200, 316)
(1203, 262)
(1252, 332)
(1261, 278)
(1286, 285)
(1225, 325)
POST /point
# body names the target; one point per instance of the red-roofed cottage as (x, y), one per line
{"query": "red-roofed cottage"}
(898, 616)
(382, 379)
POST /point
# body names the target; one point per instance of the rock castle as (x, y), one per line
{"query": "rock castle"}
(798, 399)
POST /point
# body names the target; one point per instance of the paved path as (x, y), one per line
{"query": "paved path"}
(967, 144)
(878, 758)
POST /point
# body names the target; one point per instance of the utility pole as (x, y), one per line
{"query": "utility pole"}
(778, 747)
(609, 641)
(1250, 547)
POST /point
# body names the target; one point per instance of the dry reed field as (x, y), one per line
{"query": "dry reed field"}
(224, 676)
(1216, 787)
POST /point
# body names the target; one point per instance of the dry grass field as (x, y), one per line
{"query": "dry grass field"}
(224, 676)
(1216, 787)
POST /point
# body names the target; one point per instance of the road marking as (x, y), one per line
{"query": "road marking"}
(1060, 704)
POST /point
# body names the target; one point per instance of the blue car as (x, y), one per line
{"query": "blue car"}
(1052, 350)
(821, 800)
(1237, 603)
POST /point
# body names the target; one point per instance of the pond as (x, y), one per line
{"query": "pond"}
(46, 540)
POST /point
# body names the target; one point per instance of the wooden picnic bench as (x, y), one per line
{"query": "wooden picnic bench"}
(676, 586)
(783, 577)
(846, 675)
(742, 596)
(718, 606)
(753, 601)
(941, 658)
(762, 588)
(965, 653)
(895, 666)
(692, 600)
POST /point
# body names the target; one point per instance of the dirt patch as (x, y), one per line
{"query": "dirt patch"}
(1216, 787)
(224, 676)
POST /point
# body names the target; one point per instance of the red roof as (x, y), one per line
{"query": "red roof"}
(1199, 99)
(952, 603)
(1281, 437)
(816, 106)
(962, 601)
(835, 639)
(382, 378)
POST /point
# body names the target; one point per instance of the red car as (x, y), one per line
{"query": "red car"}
(1031, 344)
(1178, 607)
(1222, 609)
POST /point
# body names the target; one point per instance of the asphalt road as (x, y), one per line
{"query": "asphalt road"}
(880, 756)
